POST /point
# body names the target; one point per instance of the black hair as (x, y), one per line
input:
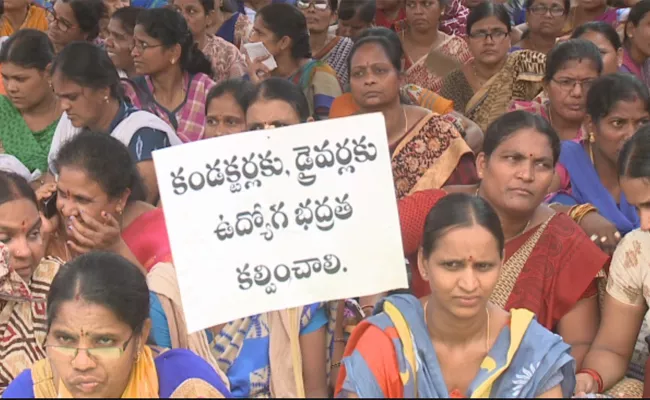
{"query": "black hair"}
(128, 17)
(488, 9)
(170, 28)
(601, 27)
(510, 123)
(208, 6)
(105, 160)
(15, 187)
(105, 279)
(388, 44)
(567, 6)
(637, 12)
(572, 50)
(28, 48)
(275, 88)
(242, 90)
(365, 8)
(88, 66)
(608, 90)
(88, 13)
(634, 158)
(286, 20)
(460, 210)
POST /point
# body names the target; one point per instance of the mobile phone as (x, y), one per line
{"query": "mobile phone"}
(49, 206)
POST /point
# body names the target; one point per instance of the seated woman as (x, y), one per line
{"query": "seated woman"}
(99, 204)
(635, 43)
(607, 41)
(225, 107)
(89, 90)
(326, 46)
(444, 158)
(585, 11)
(429, 54)
(226, 60)
(483, 88)
(229, 24)
(30, 111)
(22, 14)
(282, 28)
(25, 278)
(174, 75)
(73, 21)
(246, 349)
(355, 16)
(455, 342)
(544, 23)
(119, 40)
(571, 68)
(627, 298)
(98, 324)
(617, 105)
(551, 267)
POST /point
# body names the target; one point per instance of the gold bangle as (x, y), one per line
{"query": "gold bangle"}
(578, 212)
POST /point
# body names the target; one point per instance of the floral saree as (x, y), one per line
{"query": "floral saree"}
(391, 355)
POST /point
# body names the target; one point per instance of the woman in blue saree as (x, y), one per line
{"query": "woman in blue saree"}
(97, 326)
(617, 105)
(442, 345)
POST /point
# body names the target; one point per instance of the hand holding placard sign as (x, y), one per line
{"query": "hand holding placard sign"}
(274, 219)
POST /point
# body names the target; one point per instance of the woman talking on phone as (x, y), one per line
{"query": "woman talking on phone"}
(282, 29)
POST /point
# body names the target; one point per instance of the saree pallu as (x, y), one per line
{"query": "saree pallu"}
(236, 29)
(391, 355)
(171, 374)
(546, 270)
(585, 186)
(147, 238)
(320, 85)
(345, 106)
(428, 71)
(520, 79)
(23, 318)
(226, 60)
(36, 18)
(335, 54)
(430, 155)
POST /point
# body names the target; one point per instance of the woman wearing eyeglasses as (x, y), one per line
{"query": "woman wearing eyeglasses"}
(545, 19)
(482, 88)
(74, 20)
(25, 277)
(571, 68)
(326, 47)
(97, 329)
(174, 75)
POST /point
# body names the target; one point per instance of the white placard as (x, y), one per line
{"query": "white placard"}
(269, 220)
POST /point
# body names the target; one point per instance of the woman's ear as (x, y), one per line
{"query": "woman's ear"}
(121, 203)
(589, 125)
(310, 119)
(285, 43)
(481, 164)
(146, 330)
(422, 266)
(619, 57)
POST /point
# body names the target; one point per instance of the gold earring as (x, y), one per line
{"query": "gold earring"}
(173, 61)
(592, 138)
(106, 99)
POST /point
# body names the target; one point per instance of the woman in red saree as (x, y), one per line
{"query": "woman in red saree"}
(550, 264)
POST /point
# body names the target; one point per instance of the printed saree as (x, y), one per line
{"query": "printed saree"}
(430, 155)
(546, 270)
(29, 147)
(585, 186)
(226, 60)
(320, 85)
(172, 374)
(520, 79)
(609, 16)
(23, 317)
(36, 18)
(335, 54)
(391, 355)
(235, 29)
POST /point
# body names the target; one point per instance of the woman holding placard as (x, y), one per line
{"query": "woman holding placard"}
(427, 150)
(455, 342)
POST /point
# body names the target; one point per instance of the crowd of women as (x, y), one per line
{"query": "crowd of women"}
(520, 154)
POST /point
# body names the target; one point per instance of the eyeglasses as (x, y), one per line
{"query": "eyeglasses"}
(540, 9)
(62, 24)
(97, 353)
(496, 35)
(567, 84)
(319, 5)
(143, 46)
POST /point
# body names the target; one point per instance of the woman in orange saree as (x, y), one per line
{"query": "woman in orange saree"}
(427, 150)
(550, 265)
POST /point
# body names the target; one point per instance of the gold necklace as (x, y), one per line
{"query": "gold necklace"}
(487, 328)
